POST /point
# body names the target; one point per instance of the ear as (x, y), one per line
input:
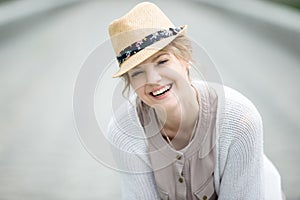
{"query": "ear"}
(189, 66)
(190, 63)
(186, 65)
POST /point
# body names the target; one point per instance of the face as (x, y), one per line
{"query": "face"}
(160, 80)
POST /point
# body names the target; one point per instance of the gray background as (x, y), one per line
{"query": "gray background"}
(255, 45)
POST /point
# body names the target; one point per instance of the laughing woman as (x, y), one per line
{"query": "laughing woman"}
(181, 139)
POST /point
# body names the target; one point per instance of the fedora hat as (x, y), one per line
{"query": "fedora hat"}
(139, 34)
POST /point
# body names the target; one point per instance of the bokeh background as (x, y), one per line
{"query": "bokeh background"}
(254, 44)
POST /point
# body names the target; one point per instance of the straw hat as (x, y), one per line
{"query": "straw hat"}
(139, 34)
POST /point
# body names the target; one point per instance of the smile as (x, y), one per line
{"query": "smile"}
(161, 91)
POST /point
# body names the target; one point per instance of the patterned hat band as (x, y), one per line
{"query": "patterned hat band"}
(145, 42)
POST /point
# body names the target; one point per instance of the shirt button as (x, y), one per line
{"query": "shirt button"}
(178, 157)
(204, 197)
(180, 180)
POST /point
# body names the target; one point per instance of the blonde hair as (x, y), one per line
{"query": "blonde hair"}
(180, 47)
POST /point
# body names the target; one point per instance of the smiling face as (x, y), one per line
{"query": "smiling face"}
(160, 80)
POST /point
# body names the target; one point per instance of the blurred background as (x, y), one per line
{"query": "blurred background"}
(254, 44)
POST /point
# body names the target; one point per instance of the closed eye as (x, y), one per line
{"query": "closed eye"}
(134, 74)
(163, 61)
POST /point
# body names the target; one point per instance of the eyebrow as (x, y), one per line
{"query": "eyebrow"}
(158, 56)
(153, 59)
(135, 68)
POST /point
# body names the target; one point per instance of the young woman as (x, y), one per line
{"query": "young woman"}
(181, 139)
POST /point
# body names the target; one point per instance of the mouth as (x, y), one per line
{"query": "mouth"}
(161, 91)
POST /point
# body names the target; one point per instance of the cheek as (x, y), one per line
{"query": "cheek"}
(184, 71)
(138, 88)
(177, 73)
(137, 82)
(140, 91)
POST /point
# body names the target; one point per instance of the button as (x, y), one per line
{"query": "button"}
(178, 157)
(180, 180)
(204, 197)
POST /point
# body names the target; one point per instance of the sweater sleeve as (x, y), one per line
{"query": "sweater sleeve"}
(129, 149)
(242, 137)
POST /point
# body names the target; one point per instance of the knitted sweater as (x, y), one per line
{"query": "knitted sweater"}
(242, 172)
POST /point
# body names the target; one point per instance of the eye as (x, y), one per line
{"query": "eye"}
(134, 74)
(163, 61)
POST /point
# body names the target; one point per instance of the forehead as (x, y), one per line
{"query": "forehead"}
(154, 58)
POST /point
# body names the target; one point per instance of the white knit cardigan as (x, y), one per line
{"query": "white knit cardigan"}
(242, 171)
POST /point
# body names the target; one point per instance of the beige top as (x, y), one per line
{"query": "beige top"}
(186, 173)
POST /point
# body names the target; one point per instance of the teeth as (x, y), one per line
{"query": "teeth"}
(162, 90)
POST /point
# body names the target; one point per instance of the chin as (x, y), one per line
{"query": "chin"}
(169, 104)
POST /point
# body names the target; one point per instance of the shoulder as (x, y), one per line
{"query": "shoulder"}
(238, 109)
(240, 129)
(124, 129)
(127, 140)
(235, 98)
(232, 105)
(239, 124)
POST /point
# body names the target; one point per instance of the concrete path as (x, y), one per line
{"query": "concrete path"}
(41, 156)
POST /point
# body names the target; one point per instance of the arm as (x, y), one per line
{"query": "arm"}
(130, 154)
(242, 135)
(272, 181)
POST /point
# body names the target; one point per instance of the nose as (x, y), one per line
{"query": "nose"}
(153, 75)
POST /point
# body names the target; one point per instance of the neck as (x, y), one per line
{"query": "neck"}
(180, 121)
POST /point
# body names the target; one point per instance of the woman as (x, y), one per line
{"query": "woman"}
(181, 139)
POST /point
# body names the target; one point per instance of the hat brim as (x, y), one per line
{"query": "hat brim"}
(146, 53)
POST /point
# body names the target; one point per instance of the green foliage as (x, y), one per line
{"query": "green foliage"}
(292, 3)
(4, 0)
